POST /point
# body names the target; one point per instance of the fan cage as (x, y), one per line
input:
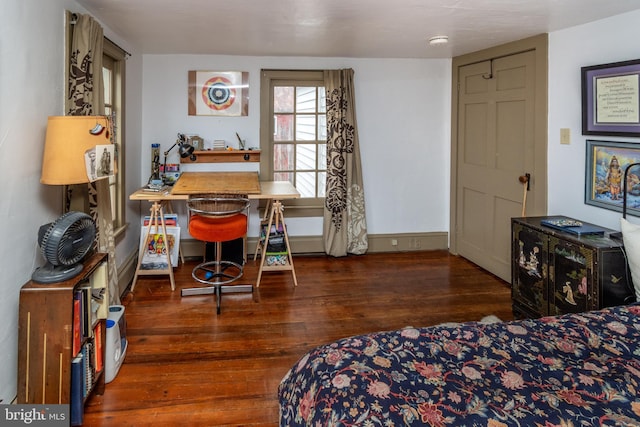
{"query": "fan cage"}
(68, 239)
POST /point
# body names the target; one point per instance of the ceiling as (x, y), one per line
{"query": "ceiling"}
(339, 28)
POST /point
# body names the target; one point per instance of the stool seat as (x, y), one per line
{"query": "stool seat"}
(218, 228)
(217, 219)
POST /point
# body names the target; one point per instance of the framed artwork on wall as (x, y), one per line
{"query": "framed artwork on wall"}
(218, 93)
(606, 162)
(611, 99)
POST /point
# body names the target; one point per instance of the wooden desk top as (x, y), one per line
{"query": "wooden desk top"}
(279, 190)
(221, 183)
(217, 183)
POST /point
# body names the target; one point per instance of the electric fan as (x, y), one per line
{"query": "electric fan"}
(64, 243)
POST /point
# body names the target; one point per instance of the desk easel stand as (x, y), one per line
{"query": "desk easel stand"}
(156, 212)
(274, 210)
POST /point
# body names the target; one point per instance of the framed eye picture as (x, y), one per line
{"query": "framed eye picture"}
(611, 99)
(218, 93)
(606, 162)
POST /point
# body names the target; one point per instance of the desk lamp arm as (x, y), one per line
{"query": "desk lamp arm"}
(186, 150)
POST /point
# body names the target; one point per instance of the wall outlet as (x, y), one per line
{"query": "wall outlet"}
(565, 136)
(416, 243)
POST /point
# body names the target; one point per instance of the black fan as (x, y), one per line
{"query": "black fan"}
(64, 243)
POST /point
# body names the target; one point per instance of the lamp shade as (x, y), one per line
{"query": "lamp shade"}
(67, 140)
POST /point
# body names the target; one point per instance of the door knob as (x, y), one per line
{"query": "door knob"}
(525, 179)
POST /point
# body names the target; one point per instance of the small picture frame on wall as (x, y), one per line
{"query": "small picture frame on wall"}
(611, 99)
(218, 93)
(606, 162)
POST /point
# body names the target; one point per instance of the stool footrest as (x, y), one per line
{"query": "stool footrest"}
(213, 273)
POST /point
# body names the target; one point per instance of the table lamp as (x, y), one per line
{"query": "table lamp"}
(185, 150)
(67, 140)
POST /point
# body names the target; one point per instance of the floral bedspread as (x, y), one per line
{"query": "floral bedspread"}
(573, 370)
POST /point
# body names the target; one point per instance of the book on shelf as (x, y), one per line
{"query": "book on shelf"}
(97, 336)
(86, 311)
(169, 219)
(77, 322)
(77, 398)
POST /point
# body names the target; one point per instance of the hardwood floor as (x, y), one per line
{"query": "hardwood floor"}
(187, 366)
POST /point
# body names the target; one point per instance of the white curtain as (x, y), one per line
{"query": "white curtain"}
(345, 225)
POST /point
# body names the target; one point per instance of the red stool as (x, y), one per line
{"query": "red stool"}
(216, 220)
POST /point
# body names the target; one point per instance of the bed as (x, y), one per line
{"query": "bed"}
(572, 370)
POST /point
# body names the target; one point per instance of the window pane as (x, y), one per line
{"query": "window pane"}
(283, 99)
(106, 79)
(322, 127)
(306, 99)
(283, 127)
(282, 157)
(305, 127)
(322, 157)
(322, 183)
(306, 184)
(305, 157)
(322, 100)
(281, 176)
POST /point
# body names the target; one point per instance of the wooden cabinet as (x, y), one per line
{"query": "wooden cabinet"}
(57, 327)
(556, 272)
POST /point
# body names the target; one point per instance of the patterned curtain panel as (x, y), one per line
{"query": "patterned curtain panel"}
(85, 97)
(345, 225)
(85, 94)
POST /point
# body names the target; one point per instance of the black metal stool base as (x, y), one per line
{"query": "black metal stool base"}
(216, 275)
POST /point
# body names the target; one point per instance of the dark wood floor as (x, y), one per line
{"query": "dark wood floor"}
(187, 366)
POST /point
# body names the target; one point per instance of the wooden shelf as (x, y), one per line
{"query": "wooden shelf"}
(50, 336)
(224, 156)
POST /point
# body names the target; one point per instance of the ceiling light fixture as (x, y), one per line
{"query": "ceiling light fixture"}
(438, 40)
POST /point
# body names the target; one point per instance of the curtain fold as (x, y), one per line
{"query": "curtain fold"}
(85, 97)
(345, 225)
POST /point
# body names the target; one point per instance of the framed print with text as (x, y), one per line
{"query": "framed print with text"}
(218, 93)
(606, 162)
(611, 99)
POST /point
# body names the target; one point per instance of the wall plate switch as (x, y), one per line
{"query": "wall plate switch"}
(565, 136)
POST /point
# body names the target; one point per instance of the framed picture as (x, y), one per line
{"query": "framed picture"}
(610, 99)
(218, 93)
(155, 254)
(606, 163)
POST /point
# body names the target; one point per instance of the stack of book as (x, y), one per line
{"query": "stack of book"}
(87, 362)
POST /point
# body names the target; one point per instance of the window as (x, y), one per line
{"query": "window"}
(293, 133)
(113, 64)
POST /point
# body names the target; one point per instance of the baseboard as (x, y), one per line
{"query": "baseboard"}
(405, 242)
(126, 272)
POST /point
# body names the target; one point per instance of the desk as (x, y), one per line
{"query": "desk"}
(247, 183)
(191, 183)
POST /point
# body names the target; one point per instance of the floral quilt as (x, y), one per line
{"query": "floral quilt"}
(573, 370)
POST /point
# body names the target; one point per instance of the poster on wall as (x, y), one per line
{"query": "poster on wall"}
(607, 162)
(218, 93)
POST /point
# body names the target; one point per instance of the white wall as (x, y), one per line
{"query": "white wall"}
(32, 87)
(403, 114)
(609, 40)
